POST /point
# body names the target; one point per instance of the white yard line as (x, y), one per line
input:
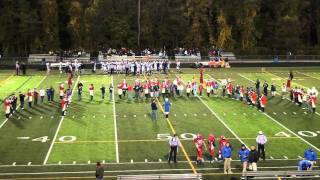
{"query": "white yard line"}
(218, 117)
(115, 123)
(58, 128)
(5, 121)
(285, 126)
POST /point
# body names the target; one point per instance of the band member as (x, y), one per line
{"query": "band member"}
(7, 107)
(199, 144)
(61, 90)
(211, 146)
(263, 102)
(64, 103)
(91, 92)
(30, 97)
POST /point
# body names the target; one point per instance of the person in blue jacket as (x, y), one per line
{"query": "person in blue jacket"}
(226, 155)
(304, 165)
(167, 106)
(310, 155)
(243, 155)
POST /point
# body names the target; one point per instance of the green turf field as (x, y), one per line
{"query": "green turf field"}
(38, 143)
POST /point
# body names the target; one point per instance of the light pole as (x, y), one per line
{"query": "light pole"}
(139, 6)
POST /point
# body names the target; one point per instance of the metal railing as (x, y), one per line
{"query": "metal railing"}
(281, 174)
(161, 176)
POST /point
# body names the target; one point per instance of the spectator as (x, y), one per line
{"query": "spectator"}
(174, 142)
(21, 98)
(167, 106)
(253, 158)
(261, 140)
(17, 68)
(226, 155)
(154, 109)
(311, 156)
(99, 171)
(110, 92)
(42, 94)
(304, 165)
(243, 155)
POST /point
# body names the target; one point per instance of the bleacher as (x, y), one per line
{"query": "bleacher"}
(161, 176)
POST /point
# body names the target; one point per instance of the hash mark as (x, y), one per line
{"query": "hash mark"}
(274, 113)
(294, 113)
(271, 157)
(59, 162)
(145, 160)
(160, 160)
(300, 157)
(74, 162)
(89, 162)
(29, 163)
(284, 113)
(13, 164)
(131, 161)
(285, 157)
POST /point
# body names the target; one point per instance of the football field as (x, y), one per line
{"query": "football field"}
(39, 143)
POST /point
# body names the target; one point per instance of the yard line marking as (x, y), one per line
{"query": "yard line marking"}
(216, 115)
(58, 128)
(283, 125)
(274, 113)
(284, 113)
(115, 124)
(13, 164)
(3, 81)
(23, 137)
(158, 140)
(182, 147)
(29, 163)
(308, 75)
(305, 112)
(291, 132)
(294, 113)
(174, 132)
(285, 157)
(300, 157)
(271, 157)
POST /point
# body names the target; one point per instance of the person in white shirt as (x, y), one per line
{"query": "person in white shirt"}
(174, 143)
(42, 93)
(261, 140)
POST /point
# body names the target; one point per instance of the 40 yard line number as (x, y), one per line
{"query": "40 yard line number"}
(44, 139)
(301, 133)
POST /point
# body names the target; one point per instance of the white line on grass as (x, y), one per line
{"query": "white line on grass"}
(5, 121)
(216, 115)
(58, 128)
(283, 125)
(115, 124)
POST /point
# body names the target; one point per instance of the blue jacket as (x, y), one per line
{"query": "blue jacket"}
(304, 165)
(310, 155)
(167, 106)
(226, 152)
(243, 154)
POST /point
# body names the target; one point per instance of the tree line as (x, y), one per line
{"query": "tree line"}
(242, 26)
